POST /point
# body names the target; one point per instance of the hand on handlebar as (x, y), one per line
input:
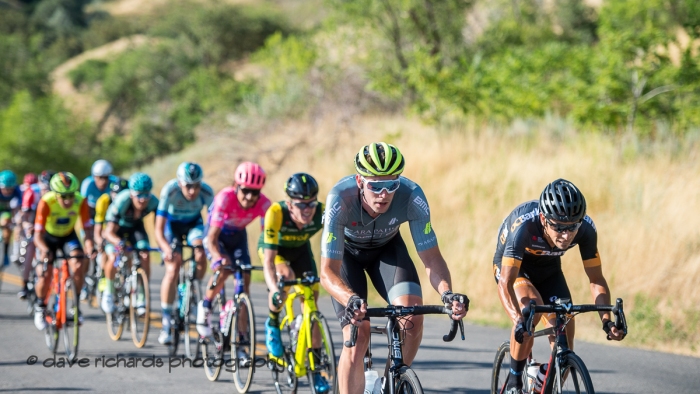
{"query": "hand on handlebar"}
(612, 331)
(458, 302)
(519, 331)
(355, 310)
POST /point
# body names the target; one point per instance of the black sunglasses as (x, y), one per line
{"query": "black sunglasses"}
(304, 205)
(252, 192)
(560, 228)
(193, 185)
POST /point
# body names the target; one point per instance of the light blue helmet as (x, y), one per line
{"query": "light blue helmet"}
(140, 182)
(189, 173)
(8, 179)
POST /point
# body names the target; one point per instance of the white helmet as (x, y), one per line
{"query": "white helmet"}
(101, 168)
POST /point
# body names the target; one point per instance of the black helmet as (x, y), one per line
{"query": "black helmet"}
(121, 184)
(562, 201)
(45, 177)
(302, 186)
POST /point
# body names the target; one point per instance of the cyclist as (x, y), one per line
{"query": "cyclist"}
(226, 238)
(180, 215)
(361, 234)
(527, 265)
(101, 207)
(30, 201)
(285, 251)
(125, 223)
(54, 228)
(10, 201)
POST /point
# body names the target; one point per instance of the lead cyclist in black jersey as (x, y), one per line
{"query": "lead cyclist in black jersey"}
(361, 234)
(527, 265)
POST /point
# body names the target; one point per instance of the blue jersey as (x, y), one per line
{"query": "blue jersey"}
(122, 211)
(176, 208)
(92, 193)
(11, 202)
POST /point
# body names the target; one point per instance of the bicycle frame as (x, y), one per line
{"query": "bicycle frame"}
(60, 277)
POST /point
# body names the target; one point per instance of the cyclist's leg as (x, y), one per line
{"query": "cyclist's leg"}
(204, 306)
(396, 280)
(351, 364)
(302, 261)
(273, 336)
(550, 289)
(195, 237)
(142, 245)
(43, 280)
(168, 285)
(71, 247)
(6, 225)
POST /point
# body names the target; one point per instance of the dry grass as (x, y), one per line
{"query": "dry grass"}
(642, 205)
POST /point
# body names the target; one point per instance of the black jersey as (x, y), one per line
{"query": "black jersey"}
(521, 238)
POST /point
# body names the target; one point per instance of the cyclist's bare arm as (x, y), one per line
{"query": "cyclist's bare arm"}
(213, 244)
(110, 233)
(269, 269)
(336, 287)
(506, 293)
(601, 295)
(97, 233)
(160, 237)
(439, 276)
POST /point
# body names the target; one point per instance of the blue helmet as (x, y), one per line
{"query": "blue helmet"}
(8, 179)
(140, 182)
(189, 173)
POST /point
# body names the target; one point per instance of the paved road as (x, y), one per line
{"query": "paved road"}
(460, 367)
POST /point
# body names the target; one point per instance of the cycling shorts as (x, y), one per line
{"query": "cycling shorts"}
(66, 244)
(299, 259)
(178, 231)
(135, 236)
(234, 246)
(548, 280)
(389, 267)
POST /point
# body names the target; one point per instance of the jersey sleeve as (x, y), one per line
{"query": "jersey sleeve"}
(84, 186)
(113, 212)
(153, 204)
(514, 245)
(334, 221)
(42, 214)
(27, 199)
(266, 204)
(588, 245)
(207, 194)
(163, 201)
(218, 215)
(419, 221)
(101, 208)
(85, 214)
(273, 224)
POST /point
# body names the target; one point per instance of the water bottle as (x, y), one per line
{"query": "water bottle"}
(295, 331)
(224, 312)
(532, 371)
(540, 378)
(371, 378)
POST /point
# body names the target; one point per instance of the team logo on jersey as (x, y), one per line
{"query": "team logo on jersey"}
(334, 210)
(428, 228)
(504, 235)
(422, 204)
(270, 233)
(330, 238)
(392, 221)
(545, 252)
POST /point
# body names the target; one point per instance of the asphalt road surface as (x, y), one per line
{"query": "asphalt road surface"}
(457, 367)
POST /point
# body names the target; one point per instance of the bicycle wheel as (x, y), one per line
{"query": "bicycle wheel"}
(408, 382)
(115, 320)
(213, 356)
(190, 314)
(71, 323)
(324, 358)
(243, 343)
(140, 299)
(175, 324)
(283, 370)
(50, 332)
(501, 368)
(576, 378)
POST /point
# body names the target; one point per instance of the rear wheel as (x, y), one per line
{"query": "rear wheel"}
(140, 299)
(190, 313)
(71, 322)
(408, 382)
(243, 343)
(115, 320)
(576, 377)
(324, 358)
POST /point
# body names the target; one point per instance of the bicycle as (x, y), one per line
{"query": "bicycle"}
(399, 378)
(62, 308)
(25, 245)
(566, 372)
(187, 296)
(92, 280)
(235, 333)
(299, 358)
(129, 287)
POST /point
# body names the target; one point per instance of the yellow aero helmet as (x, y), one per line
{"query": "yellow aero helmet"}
(379, 158)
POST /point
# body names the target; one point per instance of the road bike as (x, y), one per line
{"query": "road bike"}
(566, 372)
(234, 333)
(188, 294)
(398, 377)
(131, 298)
(300, 358)
(62, 313)
(92, 280)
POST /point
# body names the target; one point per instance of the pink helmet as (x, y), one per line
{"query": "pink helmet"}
(250, 175)
(30, 178)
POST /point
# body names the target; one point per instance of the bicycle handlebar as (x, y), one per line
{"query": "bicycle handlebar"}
(394, 311)
(307, 280)
(232, 269)
(565, 308)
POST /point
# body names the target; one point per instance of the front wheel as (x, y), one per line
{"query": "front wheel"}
(243, 344)
(501, 368)
(324, 364)
(575, 377)
(71, 320)
(408, 382)
(139, 307)
(190, 318)
(116, 319)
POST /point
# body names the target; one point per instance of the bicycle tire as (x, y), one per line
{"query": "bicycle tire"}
(284, 376)
(115, 320)
(139, 323)
(408, 382)
(577, 379)
(50, 332)
(501, 368)
(190, 319)
(244, 343)
(71, 316)
(214, 357)
(174, 334)
(327, 364)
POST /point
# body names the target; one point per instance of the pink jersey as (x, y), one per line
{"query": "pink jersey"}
(227, 214)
